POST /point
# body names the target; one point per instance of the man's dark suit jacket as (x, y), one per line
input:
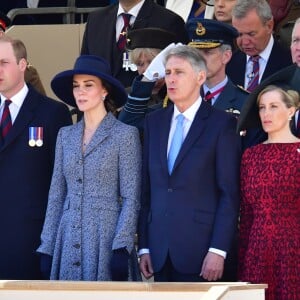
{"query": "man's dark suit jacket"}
(280, 58)
(25, 174)
(196, 207)
(100, 33)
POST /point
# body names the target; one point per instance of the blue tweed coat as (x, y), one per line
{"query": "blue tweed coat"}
(93, 200)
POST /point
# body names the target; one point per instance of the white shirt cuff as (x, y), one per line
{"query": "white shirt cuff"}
(143, 251)
(218, 251)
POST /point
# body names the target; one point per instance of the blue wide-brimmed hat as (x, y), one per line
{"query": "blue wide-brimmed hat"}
(62, 83)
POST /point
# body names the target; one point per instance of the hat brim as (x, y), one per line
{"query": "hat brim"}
(62, 86)
(249, 117)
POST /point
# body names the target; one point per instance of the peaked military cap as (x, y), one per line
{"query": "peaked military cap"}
(207, 34)
(149, 38)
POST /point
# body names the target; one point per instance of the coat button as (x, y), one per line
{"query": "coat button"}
(79, 180)
(77, 264)
(170, 190)
(77, 246)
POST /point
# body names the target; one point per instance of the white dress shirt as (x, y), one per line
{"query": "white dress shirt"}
(263, 60)
(16, 103)
(133, 11)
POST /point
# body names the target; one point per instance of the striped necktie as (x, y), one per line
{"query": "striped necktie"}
(253, 82)
(5, 122)
(122, 37)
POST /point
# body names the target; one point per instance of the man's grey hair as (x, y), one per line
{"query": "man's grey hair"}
(225, 47)
(190, 54)
(296, 23)
(262, 8)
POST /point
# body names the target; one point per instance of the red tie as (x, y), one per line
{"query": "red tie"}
(122, 37)
(5, 123)
(253, 82)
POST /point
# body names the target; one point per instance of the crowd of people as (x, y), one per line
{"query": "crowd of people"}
(185, 158)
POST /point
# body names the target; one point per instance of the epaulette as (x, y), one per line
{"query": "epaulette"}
(242, 89)
(165, 102)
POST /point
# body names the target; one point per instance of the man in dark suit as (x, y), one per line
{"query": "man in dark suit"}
(254, 21)
(189, 207)
(105, 25)
(26, 159)
(288, 77)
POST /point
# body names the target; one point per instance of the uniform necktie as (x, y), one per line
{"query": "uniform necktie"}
(207, 97)
(122, 37)
(176, 142)
(5, 122)
(253, 82)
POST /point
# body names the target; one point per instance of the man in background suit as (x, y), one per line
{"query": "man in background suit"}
(295, 51)
(104, 26)
(189, 211)
(289, 76)
(254, 21)
(26, 160)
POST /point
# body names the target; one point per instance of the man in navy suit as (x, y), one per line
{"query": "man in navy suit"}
(104, 26)
(189, 214)
(26, 162)
(254, 21)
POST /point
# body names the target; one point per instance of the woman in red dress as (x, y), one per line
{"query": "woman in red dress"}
(269, 246)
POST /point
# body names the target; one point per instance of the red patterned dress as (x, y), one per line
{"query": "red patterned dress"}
(269, 249)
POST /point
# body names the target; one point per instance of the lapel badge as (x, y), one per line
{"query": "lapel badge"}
(200, 30)
(36, 136)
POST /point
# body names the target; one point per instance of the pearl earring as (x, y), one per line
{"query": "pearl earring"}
(290, 118)
(103, 97)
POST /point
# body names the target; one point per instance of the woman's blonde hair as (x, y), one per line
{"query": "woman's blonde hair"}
(289, 96)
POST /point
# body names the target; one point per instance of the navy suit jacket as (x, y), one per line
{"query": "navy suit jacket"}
(100, 33)
(280, 58)
(196, 207)
(25, 175)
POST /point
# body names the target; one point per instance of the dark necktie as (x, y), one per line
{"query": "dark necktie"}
(122, 37)
(253, 82)
(5, 122)
(207, 97)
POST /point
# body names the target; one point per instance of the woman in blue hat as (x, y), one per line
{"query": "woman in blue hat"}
(94, 196)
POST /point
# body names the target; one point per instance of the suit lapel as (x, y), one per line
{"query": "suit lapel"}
(25, 115)
(226, 97)
(164, 136)
(102, 132)
(194, 133)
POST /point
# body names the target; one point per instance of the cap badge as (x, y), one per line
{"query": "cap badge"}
(200, 30)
